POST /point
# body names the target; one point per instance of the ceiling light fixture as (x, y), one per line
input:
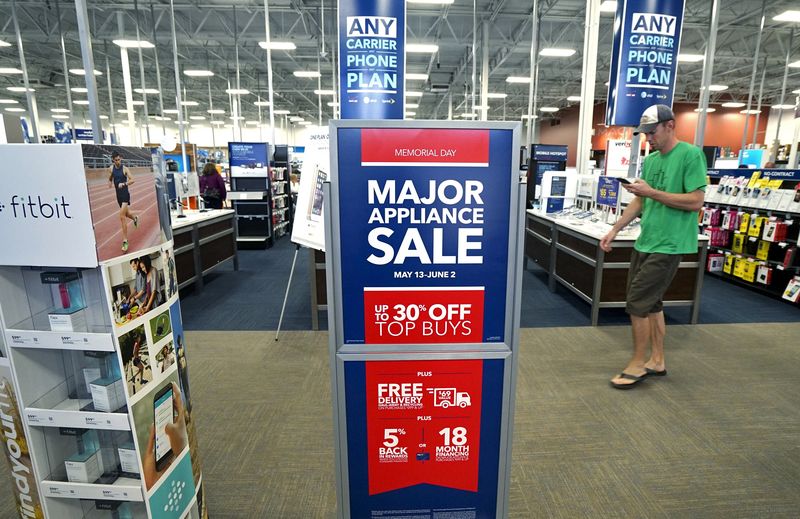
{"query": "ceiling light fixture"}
(421, 48)
(188, 103)
(556, 52)
(84, 102)
(15, 109)
(788, 16)
(145, 91)
(261, 103)
(573, 99)
(10, 70)
(325, 92)
(783, 107)
(197, 117)
(411, 114)
(9, 102)
(708, 110)
(334, 104)
(412, 93)
(20, 89)
(281, 112)
(733, 104)
(217, 111)
(59, 110)
(133, 44)
(431, 2)
(171, 111)
(416, 77)
(751, 112)
(82, 72)
(198, 73)
(306, 73)
(690, 58)
(608, 6)
(496, 95)
(4, 43)
(548, 109)
(412, 105)
(277, 45)
(518, 79)
(59, 116)
(237, 91)
(794, 64)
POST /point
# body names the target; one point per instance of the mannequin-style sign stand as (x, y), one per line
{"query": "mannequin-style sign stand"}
(286, 295)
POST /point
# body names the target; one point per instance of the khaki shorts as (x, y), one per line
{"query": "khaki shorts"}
(648, 279)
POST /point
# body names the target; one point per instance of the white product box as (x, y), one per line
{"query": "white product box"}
(74, 322)
(89, 376)
(129, 462)
(108, 394)
(84, 468)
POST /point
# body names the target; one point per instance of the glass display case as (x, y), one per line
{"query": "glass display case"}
(53, 299)
(78, 455)
(102, 509)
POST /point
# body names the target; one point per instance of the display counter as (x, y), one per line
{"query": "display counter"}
(203, 241)
(570, 252)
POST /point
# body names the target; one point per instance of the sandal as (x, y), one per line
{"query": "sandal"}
(636, 379)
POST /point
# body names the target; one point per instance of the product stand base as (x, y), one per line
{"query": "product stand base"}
(286, 295)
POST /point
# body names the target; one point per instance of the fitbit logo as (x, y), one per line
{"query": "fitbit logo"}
(34, 207)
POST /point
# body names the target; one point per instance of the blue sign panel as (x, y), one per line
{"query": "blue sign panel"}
(424, 219)
(248, 159)
(63, 133)
(86, 134)
(372, 59)
(644, 58)
(550, 152)
(607, 191)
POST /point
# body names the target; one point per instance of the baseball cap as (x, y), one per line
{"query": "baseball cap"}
(652, 116)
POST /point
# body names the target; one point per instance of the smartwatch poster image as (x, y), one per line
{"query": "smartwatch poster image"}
(424, 435)
(424, 223)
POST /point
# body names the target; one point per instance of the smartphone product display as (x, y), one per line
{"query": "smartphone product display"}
(163, 416)
(315, 207)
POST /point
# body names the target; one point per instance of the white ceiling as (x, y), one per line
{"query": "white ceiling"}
(210, 32)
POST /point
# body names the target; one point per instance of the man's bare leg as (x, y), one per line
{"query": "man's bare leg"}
(123, 220)
(658, 330)
(641, 336)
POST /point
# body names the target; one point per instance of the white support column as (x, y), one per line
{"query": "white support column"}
(485, 72)
(589, 74)
(708, 71)
(85, 36)
(534, 57)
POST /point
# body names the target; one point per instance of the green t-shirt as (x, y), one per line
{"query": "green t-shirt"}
(664, 229)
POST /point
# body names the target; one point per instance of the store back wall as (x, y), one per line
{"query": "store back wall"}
(723, 128)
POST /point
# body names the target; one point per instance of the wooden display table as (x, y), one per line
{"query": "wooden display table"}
(570, 252)
(203, 241)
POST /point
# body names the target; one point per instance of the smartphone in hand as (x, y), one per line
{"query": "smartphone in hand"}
(163, 416)
(625, 180)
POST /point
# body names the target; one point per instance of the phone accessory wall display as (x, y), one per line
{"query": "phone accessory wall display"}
(764, 275)
(715, 262)
(738, 243)
(749, 270)
(763, 250)
(729, 219)
(727, 267)
(792, 291)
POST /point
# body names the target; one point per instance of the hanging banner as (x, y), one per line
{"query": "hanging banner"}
(424, 221)
(308, 229)
(644, 58)
(248, 159)
(372, 59)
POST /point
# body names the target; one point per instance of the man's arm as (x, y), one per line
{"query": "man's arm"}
(633, 210)
(685, 201)
(129, 176)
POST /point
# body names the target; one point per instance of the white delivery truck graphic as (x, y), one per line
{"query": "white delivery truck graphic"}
(447, 396)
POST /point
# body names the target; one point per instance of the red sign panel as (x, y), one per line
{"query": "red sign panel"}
(423, 315)
(424, 422)
(424, 147)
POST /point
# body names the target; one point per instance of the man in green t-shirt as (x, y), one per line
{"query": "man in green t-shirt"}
(668, 197)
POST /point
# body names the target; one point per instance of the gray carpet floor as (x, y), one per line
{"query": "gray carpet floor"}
(717, 437)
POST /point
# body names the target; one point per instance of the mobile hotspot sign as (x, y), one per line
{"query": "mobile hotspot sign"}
(644, 58)
(372, 59)
(423, 227)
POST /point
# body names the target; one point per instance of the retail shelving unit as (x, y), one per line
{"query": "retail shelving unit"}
(251, 194)
(281, 191)
(95, 344)
(752, 219)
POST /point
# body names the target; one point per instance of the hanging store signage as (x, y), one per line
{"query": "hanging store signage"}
(424, 220)
(644, 58)
(372, 59)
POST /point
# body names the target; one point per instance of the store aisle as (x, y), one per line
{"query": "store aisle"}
(251, 299)
(715, 438)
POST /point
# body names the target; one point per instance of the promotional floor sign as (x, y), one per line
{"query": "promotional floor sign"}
(372, 63)
(424, 218)
(308, 229)
(423, 224)
(644, 58)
